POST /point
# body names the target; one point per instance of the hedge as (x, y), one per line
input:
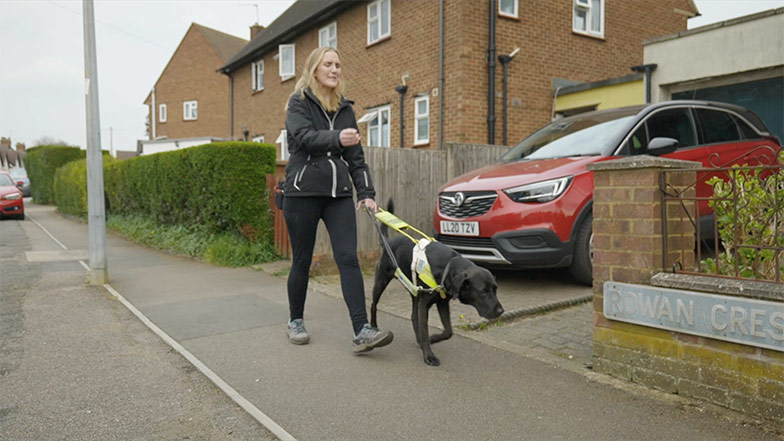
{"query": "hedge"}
(220, 186)
(70, 186)
(41, 163)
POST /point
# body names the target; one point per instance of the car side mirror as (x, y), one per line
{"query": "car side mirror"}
(662, 145)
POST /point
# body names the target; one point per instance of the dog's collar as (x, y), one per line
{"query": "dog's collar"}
(444, 275)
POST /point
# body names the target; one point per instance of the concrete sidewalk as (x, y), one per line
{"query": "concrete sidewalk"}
(488, 387)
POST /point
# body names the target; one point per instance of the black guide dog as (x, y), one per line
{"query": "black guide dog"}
(469, 283)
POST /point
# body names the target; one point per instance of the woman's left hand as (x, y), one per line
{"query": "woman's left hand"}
(369, 203)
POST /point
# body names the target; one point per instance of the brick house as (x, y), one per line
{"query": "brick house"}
(385, 44)
(190, 99)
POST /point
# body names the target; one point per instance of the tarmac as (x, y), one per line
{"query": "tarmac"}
(172, 348)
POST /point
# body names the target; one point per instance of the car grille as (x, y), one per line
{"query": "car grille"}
(473, 242)
(475, 203)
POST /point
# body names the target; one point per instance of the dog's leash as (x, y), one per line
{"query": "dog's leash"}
(398, 225)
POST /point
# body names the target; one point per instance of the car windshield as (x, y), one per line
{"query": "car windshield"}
(578, 136)
(6, 180)
(18, 173)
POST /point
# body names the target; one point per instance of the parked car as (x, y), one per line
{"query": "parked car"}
(19, 175)
(533, 209)
(11, 199)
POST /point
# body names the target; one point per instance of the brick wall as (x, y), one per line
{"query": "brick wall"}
(544, 34)
(628, 248)
(191, 74)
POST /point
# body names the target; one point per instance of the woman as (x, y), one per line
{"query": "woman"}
(325, 159)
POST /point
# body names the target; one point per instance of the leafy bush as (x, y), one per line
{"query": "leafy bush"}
(70, 186)
(42, 162)
(750, 215)
(220, 187)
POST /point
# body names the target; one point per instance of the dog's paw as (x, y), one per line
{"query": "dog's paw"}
(432, 360)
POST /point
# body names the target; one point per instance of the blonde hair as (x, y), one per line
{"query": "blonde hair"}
(330, 101)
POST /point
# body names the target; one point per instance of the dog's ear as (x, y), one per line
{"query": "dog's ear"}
(457, 283)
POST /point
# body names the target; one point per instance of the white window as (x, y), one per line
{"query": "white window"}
(258, 138)
(589, 17)
(257, 70)
(284, 145)
(378, 20)
(422, 118)
(328, 35)
(378, 126)
(190, 110)
(162, 113)
(286, 61)
(508, 8)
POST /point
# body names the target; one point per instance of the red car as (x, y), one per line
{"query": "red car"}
(11, 199)
(533, 210)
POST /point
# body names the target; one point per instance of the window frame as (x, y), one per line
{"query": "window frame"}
(373, 115)
(327, 40)
(257, 75)
(190, 110)
(258, 138)
(382, 13)
(283, 141)
(588, 7)
(163, 114)
(286, 75)
(516, 13)
(418, 117)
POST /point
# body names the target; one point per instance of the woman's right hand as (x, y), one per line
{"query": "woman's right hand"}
(349, 137)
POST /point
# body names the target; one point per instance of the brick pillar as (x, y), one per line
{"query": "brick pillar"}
(627, 228)
(627, 243)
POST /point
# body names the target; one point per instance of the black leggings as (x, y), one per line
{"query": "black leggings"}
(302, 216)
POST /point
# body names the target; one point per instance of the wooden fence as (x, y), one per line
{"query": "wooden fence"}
(411, 177)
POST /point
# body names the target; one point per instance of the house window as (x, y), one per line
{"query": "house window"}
(589, 17)
(507, 8)
(378, 126)
(422, 117)
(286, 61)
(378, 20)
(190, 110)
(258, 138)
(328, 35)
(162, 113)
(257, 70)
(284, 145)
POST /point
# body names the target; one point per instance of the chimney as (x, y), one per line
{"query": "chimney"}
(255, 30)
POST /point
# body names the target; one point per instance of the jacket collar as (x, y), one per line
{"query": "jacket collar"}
(343, 100)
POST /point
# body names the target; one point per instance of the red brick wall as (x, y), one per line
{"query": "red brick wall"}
(192, 75)
(548, 49)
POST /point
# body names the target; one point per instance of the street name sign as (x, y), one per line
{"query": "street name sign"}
(741, 320)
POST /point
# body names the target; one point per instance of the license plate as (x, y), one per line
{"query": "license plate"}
(460, 228)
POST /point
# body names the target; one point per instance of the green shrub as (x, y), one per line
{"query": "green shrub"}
(225, 249)
(220, 187)
(749, 215)
(70, 186)
(41, 163)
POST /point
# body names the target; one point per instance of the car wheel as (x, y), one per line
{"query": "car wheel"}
(582, 260)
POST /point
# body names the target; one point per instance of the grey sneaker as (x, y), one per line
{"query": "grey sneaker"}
(370, 337)
(297, 333)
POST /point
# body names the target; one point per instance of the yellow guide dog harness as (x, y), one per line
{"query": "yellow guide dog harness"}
(419, 265)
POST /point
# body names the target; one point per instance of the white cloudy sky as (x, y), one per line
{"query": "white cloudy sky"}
(42, 58)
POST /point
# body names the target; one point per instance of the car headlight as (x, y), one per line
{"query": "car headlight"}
(12, 196)
(544, 191)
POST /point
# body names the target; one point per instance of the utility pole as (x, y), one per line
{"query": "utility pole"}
(95, 206)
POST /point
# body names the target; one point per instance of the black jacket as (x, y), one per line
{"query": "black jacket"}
(318, 164)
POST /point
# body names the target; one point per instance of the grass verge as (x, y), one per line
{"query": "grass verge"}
(224, 249)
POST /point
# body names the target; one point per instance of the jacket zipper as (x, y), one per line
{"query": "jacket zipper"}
(329, 154)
